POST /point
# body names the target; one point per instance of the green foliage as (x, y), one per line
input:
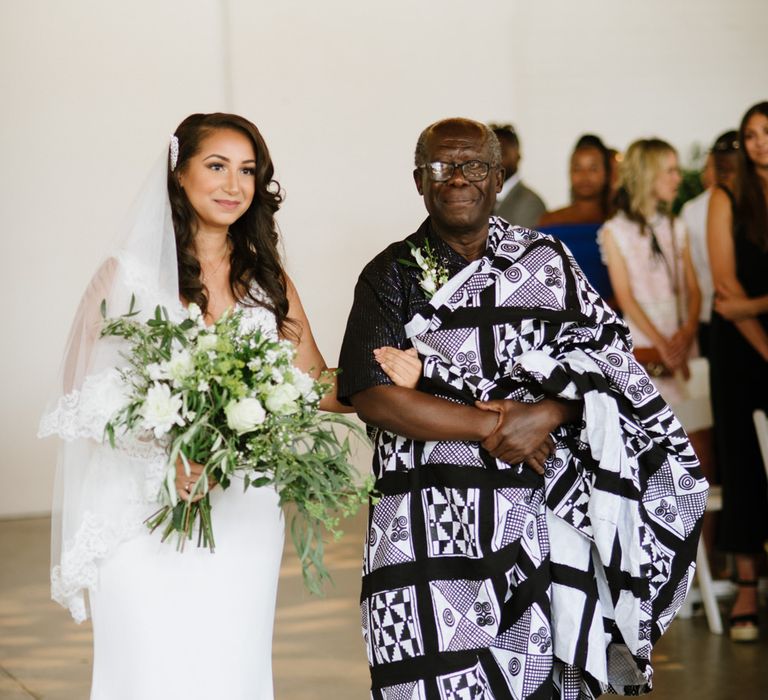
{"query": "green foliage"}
(231, 400)
(690, 187)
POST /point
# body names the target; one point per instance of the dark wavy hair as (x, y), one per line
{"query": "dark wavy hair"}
(255, 256)
(751, 212)
(593, 141)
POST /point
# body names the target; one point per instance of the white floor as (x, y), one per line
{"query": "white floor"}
(318, 653)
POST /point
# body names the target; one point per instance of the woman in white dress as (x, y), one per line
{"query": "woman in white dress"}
(649, 263)
(170, 625)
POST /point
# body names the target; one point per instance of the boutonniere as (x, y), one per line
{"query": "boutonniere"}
(433, 273)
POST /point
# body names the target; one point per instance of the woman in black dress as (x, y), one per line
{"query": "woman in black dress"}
(737, 235)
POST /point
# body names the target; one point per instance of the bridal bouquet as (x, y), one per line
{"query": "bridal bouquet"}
(230, 399)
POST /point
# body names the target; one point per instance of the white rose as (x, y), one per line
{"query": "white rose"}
(194, 312)
(281, 399)
(161, 409)
(180, 366)
(303, 383)
(428, 285)
(207, 342)
(244, 415)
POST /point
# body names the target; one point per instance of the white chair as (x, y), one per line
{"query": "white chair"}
(703, 572)
(761, 428)
(695, 413)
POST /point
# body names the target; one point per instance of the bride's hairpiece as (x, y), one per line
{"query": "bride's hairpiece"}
(174, 151)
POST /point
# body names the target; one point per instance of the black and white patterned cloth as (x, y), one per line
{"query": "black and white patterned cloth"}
(482, 581)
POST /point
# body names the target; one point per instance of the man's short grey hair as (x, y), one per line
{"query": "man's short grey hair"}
(420, 156)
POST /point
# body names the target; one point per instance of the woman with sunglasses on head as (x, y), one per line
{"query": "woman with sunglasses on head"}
(737, 237)
(197, 624)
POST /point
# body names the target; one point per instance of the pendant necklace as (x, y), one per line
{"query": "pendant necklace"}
(204, 276)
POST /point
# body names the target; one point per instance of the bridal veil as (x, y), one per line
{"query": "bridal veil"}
(102, 494)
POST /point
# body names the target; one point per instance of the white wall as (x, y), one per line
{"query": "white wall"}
(684, 70)
(91, 89)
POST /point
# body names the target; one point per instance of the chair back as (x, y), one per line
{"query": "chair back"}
(761, 428)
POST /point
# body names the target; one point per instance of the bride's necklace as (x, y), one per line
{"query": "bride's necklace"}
(204, 275)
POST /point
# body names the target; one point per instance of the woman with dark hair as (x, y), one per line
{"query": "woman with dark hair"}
(737, 236)
(590, 169)
(170, 625)
(577, 224)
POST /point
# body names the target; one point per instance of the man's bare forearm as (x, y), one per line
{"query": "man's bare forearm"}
(419, 416)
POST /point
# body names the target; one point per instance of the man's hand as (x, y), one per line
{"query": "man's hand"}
(537, 460)
(522, 432)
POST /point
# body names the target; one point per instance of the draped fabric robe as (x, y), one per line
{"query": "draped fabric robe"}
(483, 581)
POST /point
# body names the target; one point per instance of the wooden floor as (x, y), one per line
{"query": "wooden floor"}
(318, 652)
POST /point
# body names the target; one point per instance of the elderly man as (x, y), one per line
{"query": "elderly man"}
(484, 577)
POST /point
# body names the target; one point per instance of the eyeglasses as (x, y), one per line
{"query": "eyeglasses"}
(472, 170)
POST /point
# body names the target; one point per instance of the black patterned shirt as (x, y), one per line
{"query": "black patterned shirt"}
(387, 296)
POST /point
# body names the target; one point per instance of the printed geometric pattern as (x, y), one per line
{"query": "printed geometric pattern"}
(467, 454)
(393, 453)
(659, 563)
(571, 683)
(524, 652)
(518, 637)
(470, 684)
(532, 293)
(389, 533)
(516, 513)
(450, 342)
(452, 519)
(394, 626)
(405, 691)
(681, 592)
(466, 614)
(365, 628)
(523, 673)
(456, 377)
(573, 508)
(511, 342)
(479, 543)
(674, 502)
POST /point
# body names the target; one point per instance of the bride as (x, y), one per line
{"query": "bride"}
(192, 625)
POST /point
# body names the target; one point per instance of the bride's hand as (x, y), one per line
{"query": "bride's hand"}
(185, 483)
(403, 367)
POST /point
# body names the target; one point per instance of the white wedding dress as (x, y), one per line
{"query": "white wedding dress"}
(194, 625)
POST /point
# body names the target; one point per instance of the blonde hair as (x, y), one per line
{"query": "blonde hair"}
(643, 163)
